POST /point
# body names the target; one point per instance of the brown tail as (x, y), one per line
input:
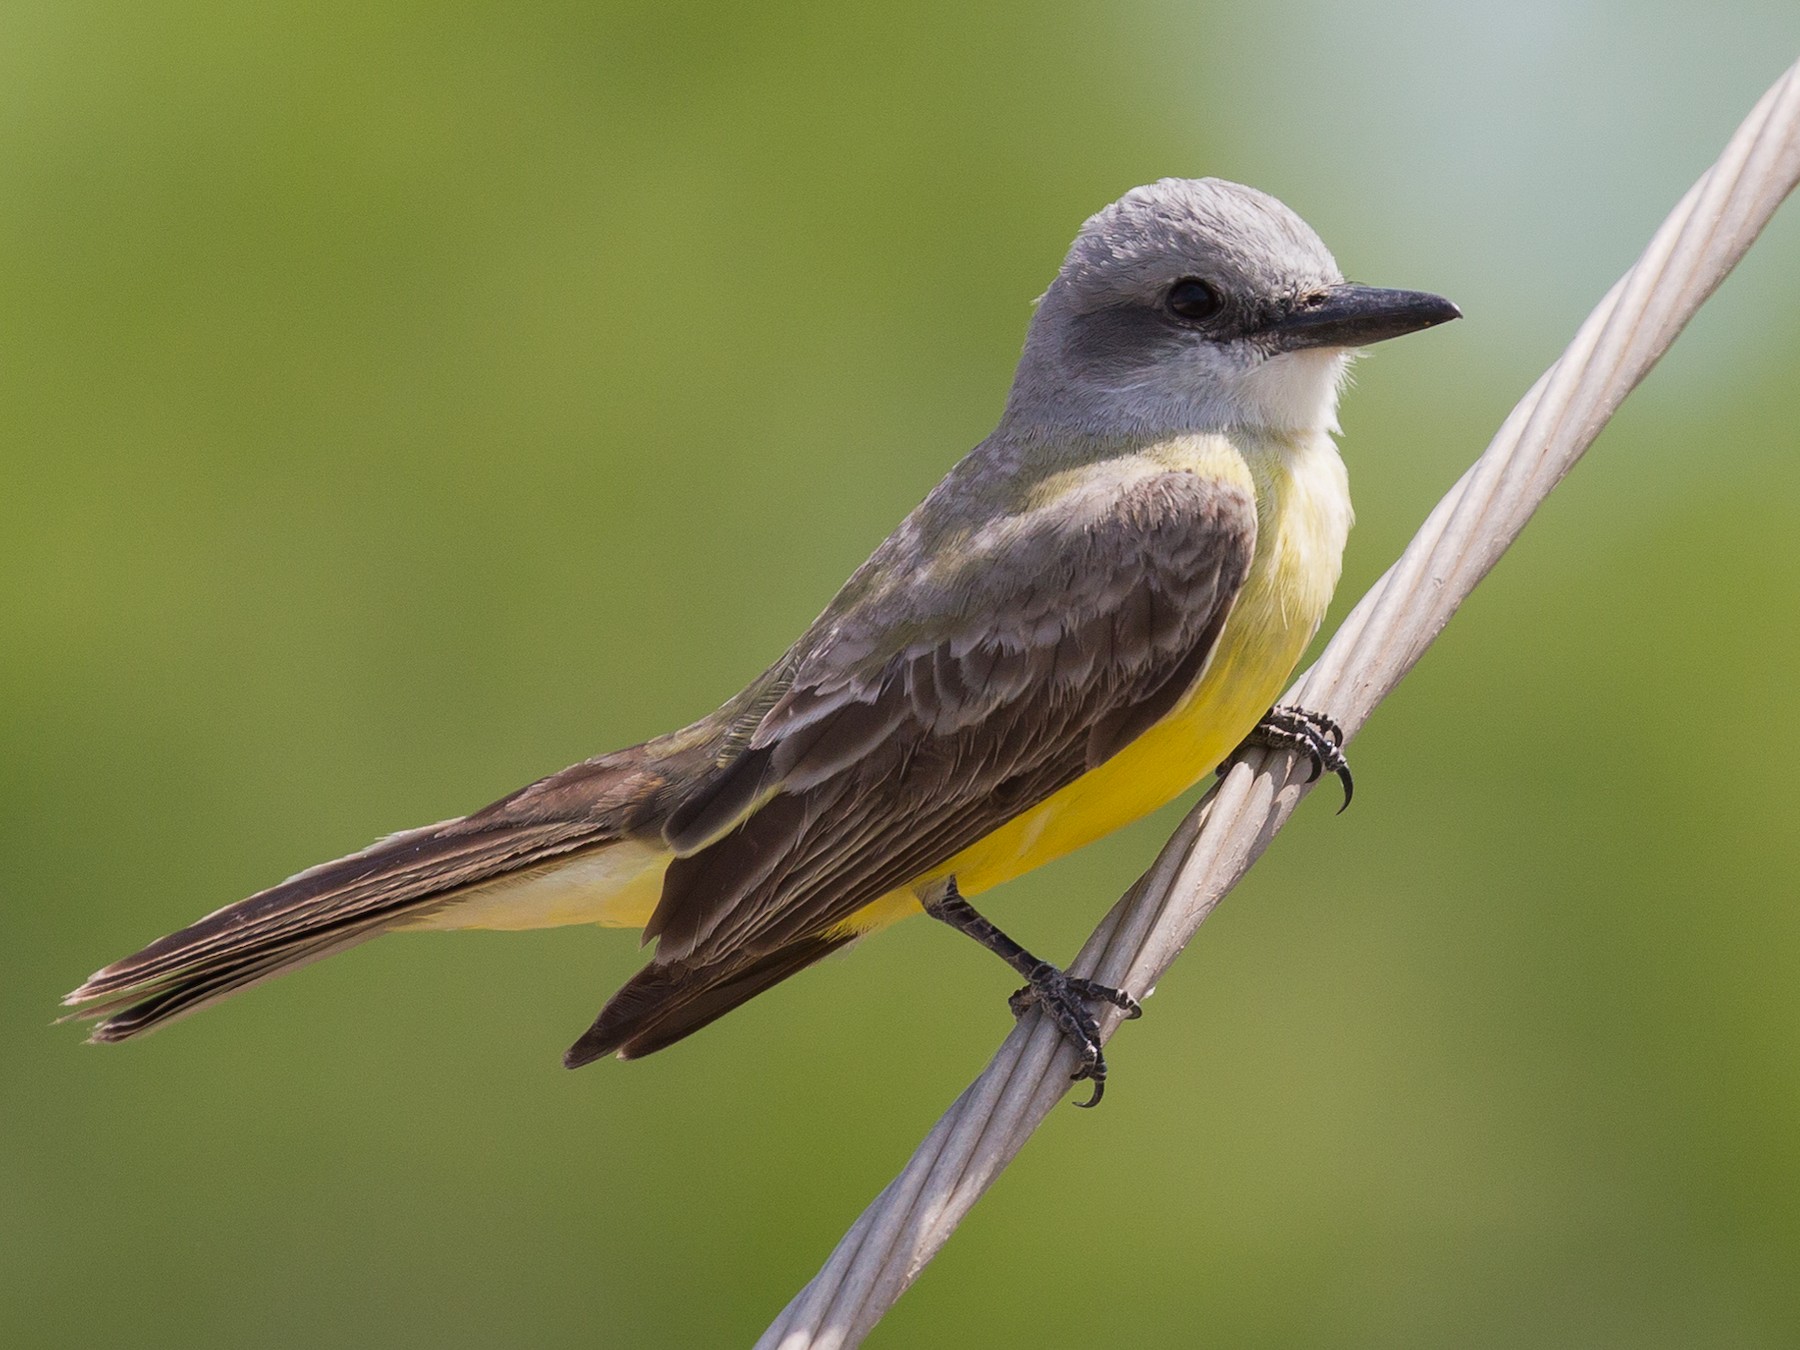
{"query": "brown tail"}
(663, 1003)
(315, 914)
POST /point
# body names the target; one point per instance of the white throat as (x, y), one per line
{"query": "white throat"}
(1293, 392)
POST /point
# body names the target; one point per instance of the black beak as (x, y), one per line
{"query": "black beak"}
(1355, 316)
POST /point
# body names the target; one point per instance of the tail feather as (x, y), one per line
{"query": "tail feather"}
(321, 911)
(143, 1011)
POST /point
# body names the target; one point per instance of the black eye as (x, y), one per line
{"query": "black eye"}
(1193, 299)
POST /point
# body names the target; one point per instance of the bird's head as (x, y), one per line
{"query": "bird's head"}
(1197, 304)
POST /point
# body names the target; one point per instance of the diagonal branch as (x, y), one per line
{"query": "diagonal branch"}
(1383, 637)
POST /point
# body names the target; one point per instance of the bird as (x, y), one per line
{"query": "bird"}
(1089, 614)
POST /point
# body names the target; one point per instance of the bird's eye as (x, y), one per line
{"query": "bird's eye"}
(1193, 299)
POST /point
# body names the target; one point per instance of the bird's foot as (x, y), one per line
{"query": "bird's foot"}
(1064, 999)
(1308, 733)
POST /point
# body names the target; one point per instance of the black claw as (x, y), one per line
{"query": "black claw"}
(1105, 993)
(1062, 997)
(1311, 734)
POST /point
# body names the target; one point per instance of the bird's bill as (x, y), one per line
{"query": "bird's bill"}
(1355, 316)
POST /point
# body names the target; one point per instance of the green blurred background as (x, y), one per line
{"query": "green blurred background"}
(405, 400)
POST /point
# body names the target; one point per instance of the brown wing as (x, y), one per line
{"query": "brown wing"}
(918, 725)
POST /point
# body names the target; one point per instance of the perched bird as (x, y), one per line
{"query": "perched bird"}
(1084, 618)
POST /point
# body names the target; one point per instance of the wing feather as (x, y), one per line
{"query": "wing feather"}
(1092, 627)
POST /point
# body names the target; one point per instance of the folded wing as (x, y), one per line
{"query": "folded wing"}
(914, 727)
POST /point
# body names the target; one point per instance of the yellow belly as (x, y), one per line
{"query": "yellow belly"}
(1303, 518)
(1236, 689)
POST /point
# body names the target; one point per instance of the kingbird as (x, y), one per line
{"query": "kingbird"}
(1089, 613)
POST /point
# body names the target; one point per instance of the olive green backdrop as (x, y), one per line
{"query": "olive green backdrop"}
(404, 400)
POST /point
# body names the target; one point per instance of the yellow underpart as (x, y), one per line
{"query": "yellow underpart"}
(616, 886)
(1303, 517)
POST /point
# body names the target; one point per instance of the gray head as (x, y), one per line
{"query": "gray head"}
(1197, 304)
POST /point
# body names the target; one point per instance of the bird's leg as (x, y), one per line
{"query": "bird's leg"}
(1309, 733)
(1061, 996)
